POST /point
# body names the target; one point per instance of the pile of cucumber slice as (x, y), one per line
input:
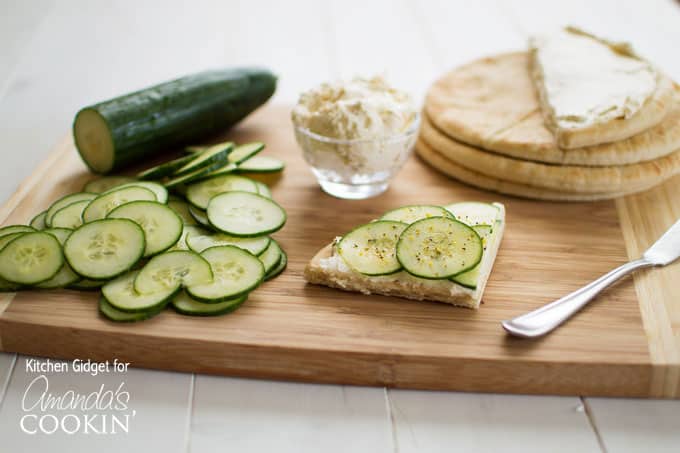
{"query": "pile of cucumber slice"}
(201, 249)
(430, 242)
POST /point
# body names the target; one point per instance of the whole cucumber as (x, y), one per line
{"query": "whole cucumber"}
(127, 129)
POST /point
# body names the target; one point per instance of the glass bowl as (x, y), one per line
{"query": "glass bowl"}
(359, 168)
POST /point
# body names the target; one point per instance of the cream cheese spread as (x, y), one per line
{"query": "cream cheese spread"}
(585, 80)
(357, 131)
(361, 108)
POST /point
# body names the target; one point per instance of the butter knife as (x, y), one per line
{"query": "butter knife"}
(543, 320)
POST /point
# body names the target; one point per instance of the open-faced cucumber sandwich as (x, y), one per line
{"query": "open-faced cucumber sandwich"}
(193, 233)
(422, 252)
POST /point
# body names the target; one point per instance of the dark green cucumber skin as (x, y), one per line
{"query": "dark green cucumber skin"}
(283, 263)
(238, 301)
(164, 169)
(125, 316)
(180, 111)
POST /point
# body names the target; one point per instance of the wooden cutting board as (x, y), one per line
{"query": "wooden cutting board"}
(627, 343)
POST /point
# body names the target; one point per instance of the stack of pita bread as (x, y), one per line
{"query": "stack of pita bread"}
(484, 124)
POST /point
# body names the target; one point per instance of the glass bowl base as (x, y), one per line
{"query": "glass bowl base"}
(353, 191)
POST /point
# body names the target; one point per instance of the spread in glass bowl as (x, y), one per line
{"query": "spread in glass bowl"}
(355, 134)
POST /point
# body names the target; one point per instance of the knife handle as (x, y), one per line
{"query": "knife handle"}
(544, 319)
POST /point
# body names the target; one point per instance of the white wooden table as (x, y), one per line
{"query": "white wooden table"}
(58, 56)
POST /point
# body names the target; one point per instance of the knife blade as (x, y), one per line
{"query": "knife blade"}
(666, 249)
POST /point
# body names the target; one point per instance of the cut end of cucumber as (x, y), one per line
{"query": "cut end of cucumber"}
(93, 140)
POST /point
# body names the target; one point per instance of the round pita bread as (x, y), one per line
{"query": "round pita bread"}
(563, 178)
(485, 182)
(491, 103)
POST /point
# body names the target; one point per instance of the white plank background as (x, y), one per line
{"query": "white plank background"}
(160, 399)
(438, 421)
(58, 56)
(252, 415)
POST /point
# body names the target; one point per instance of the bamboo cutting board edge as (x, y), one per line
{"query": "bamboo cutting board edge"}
(315, 364)
(658, 290)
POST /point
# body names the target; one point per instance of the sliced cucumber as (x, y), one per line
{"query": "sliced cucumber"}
(31, 258)
(200, 216)
(65, 276)
(187, 231)
(219, 171)
(70, 216)
(213, 157)
(271, 256)
(38, 222)
(62, 279)
(164, 169)
(121, 293)
(112, 313)
(263, 189)
(7, 238)
(13, 229)
(60, 233)
(262, 164)
(101, 206)
(245, 214)
(469, 278)
(186, 305)
(105, 183)
(255, 245)
(371, 249)
(235, 272)
(65, 201)
(162, 227)
(279, 268)
(474, 212)
(87, 285)
(195, 149)
(173, 269)
(8, 287)
(485, 232)
(438, 247)
(158, 190)
(409, 214)
(200, 193)
(181, 208)
(105, 248)
(244, 152)
(187, 177)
